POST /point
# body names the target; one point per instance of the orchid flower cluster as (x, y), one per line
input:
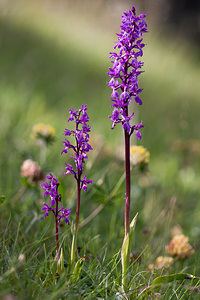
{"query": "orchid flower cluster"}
(124, 83)
(81, 146)
(51, 190)
(126, 69)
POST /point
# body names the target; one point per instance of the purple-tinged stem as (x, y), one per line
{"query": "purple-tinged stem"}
(78, 203)
(128, 171)
(128, 182)
(57, 238)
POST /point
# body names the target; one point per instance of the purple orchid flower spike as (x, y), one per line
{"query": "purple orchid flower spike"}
(51, 190)
(79, 148)
(124, 84)
(81, 145)
(126, 69)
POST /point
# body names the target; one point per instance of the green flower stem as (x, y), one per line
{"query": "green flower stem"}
(73, 248)
(125, 253)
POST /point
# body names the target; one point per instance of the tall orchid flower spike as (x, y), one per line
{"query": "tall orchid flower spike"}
(125, 89)
(79, 148)
(51, 190)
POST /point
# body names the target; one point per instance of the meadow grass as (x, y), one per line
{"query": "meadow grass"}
(40, 79)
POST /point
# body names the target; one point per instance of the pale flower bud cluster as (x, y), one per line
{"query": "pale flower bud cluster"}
(43, 134)
(179, 247)
(31, 170)
(139, 154)
(176, 230)
(162, 262)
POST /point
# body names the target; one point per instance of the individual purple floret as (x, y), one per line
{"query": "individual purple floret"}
(126, 69)
(47, 209)
(81, 145)
(85, 182)
(51, 190)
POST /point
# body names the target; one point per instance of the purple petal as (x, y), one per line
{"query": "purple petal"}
(138, 100)
(138, 134)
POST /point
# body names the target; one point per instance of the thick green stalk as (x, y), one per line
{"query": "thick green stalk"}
(73, 247)
(125, 253)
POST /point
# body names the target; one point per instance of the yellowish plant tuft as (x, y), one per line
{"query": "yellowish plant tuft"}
(162, 262)
(179, 247)
(43, 134)
(139, 154)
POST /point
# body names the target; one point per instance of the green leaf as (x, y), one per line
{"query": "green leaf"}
(126, 246)
(60, 263)
(125, 252)
(172, 277)
(78, 268)
(132, 228)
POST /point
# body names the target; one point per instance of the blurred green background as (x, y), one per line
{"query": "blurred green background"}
(54, 55)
